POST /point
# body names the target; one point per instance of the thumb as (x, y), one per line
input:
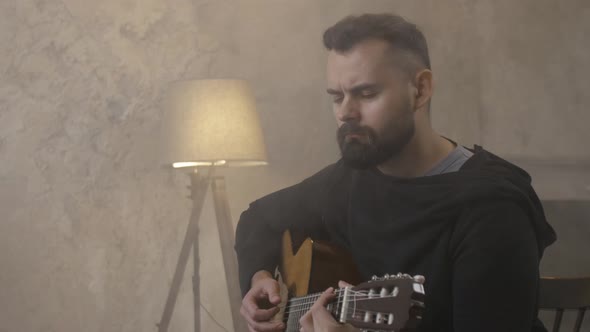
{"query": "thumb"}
(343, 284)
(272, 289)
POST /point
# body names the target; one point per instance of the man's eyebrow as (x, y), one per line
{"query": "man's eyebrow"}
(355, 89)
(363, 86)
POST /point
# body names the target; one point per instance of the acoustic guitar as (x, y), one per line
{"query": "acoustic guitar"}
(308, 267)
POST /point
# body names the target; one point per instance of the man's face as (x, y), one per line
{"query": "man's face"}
(371, 103)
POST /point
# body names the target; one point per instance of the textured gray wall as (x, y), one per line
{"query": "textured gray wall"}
(91, 225)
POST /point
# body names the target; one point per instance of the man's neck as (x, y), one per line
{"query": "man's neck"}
(420, 154)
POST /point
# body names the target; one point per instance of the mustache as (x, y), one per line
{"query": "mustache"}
(351, 128)
(356, 129)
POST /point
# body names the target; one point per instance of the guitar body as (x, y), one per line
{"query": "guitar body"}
(310, 266)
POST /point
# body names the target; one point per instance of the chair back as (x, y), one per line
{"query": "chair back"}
(560, 294)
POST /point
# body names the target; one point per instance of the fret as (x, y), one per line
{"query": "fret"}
(297, 307)
(336, 313)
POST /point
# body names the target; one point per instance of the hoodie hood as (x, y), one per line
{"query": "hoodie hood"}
(514, 182)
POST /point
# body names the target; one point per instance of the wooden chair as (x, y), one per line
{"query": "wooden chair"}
(560, 294)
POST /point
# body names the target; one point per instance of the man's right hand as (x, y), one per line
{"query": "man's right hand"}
(261, 303)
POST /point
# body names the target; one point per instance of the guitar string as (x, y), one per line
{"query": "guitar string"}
(307, 309)
(307, 305)
(361, 311)
(293, 322)
(293, 317)
(303, 310)
(307, 302)
(310, 299)
(350, 313)
(340, 300)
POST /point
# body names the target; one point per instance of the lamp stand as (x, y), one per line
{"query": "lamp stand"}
(199, 186)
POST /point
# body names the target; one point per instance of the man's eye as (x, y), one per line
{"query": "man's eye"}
(337, 100)
(369, 94)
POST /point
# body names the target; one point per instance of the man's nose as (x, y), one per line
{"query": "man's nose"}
(348, 111)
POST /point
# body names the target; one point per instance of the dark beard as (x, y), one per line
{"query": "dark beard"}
(378, 149)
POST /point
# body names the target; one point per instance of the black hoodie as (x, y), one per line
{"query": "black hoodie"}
(477, 235)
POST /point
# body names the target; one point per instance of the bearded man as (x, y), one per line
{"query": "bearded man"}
(403, 198)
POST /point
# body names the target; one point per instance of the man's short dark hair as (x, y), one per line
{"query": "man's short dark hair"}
(402, 35)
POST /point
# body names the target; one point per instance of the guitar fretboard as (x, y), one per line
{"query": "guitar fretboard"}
(297, 307)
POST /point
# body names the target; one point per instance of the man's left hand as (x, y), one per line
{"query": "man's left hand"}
(318, 319)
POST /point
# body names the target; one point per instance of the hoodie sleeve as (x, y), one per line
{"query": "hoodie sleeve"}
(495, 269)
(298, 208)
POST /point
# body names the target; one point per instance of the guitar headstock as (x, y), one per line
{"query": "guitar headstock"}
(388, 303)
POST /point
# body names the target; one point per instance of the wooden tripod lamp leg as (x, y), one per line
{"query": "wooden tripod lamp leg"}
(230, 262)
(199, 186)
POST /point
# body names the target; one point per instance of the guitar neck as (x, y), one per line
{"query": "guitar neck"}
(296, 307)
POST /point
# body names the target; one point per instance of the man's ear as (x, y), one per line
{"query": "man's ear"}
(424, 87)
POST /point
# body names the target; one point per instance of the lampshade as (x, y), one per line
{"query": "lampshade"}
(211, 122)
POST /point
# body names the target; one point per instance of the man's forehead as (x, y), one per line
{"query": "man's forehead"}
(364, 63)
(365, 53)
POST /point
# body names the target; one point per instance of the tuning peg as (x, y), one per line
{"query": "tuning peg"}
(386, 276)
(374, 278)
(419, 279)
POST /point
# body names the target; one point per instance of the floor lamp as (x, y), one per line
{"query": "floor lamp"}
(207, 124)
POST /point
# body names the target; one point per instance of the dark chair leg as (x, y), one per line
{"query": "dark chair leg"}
(579, 319)
(557, 322)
